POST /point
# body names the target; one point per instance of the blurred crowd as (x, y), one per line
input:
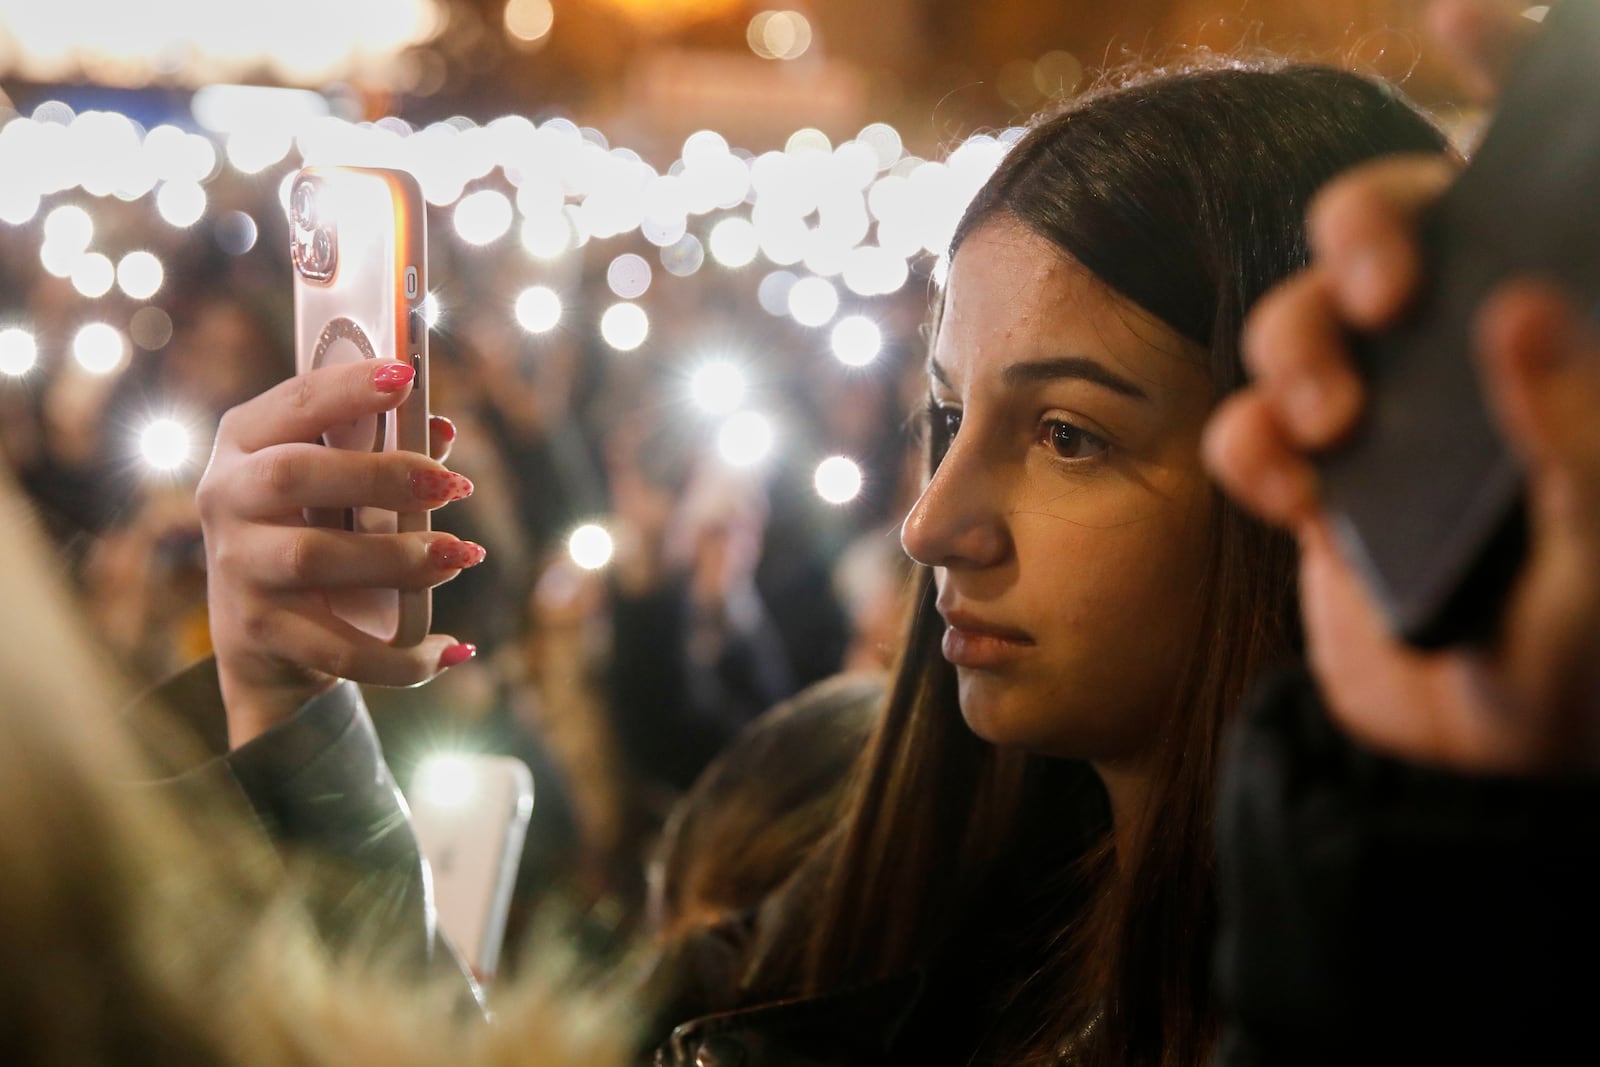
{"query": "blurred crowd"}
(729, 586)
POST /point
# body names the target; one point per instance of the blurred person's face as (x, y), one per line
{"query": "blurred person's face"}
(1066, 523)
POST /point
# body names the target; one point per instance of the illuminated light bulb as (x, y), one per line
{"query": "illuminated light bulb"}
(98, 348)
(885, 142)
(69, 227)
(745, 439)
(628, 276)
(624, 326)
(181, 203)
(483, 217)
(813, 301)
(165, 444)
(773, 292)
(538, 309)
(717, 388)
(735, 242)
(18, 351)
(856, 341)
(590, 547)
(93, 275)
(546, 236)
(838, 480)
(529, 20)
(684, 256)
(432, 310)
(150, 328)
(140, 275)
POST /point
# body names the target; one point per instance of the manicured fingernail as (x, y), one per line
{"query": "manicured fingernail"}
(393, 377)
(456, 655)
(456, 555)
(444, 428)
(440, 487)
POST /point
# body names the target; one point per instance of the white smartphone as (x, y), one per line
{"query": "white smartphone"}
(471, 813)
(358, 241)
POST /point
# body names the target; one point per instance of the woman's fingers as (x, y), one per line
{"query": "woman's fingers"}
(301, 558)
(441, 437)
(1297, 351)
(1363, 232)
(1480, 38)
(283, 480)
(303, 407)
(1256, 464)
(331, 646)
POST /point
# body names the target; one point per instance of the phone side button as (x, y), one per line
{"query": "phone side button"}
(416, 325)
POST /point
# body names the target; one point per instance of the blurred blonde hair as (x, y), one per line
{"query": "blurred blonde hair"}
(135, 931)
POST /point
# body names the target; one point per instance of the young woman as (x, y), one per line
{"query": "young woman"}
(1025, 867)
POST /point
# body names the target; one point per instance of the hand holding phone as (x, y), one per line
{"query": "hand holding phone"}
(359, 247)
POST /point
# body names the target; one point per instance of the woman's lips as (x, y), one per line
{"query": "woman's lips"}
(974, 644)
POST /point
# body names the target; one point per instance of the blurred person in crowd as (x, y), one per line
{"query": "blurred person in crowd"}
(138, 932)
(1023, 869)
(872, 578)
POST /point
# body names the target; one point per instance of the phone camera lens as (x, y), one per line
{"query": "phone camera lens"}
(321, 250)
(304, 206)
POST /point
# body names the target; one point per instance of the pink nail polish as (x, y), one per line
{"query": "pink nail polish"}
(456, 655)
(393, 377)
(439, 487)
(444, 428)
(456, 555)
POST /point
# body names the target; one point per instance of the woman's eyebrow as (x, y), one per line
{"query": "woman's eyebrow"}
(1080, 367)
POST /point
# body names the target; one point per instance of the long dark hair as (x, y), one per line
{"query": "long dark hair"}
(1184, 192)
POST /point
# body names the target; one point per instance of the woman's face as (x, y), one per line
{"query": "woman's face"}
(1066, 523)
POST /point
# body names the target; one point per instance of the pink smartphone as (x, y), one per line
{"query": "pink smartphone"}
(358, 239)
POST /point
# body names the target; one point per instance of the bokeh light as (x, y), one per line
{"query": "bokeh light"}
(181, 203)
(150, 328)
(813, 301)
(529, 20)
(98, 347)
(779, 34)
(546, 236)
(838, 480)
(538, 309)
(734, 242)
(590, 547)
(93, 275)
(717, 387)
(856, 340)
(624, 326)
(68, 227)
(165, 444)
(629, 276)
(684, 256)
(483, 217)
(745, 439)
(140, 275)
(19, 352)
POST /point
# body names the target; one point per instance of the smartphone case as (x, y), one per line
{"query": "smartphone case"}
(1426, 497)
(370, 306)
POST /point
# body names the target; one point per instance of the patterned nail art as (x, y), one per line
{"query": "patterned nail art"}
(440, 487)
(457, 555)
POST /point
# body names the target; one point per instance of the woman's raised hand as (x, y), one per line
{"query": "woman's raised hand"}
(277, 643)
(1529, 701)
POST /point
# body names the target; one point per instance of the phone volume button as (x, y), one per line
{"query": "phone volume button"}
(416, 325)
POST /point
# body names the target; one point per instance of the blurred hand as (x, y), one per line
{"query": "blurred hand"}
(277, 643)
(1529, 701)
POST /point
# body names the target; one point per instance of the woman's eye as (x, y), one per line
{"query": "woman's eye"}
(1071, 442)
(948, 421)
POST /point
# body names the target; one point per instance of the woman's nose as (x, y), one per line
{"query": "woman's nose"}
(954, 523)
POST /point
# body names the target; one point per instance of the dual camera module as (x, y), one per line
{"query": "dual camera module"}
(315, 246)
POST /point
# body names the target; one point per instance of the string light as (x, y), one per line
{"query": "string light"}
(624, 326)
(590, 547)
(838, 480)
(856, 340)
(140, 275)
(538, 309)
(18, 352)
(98, 348)
(165, 444)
